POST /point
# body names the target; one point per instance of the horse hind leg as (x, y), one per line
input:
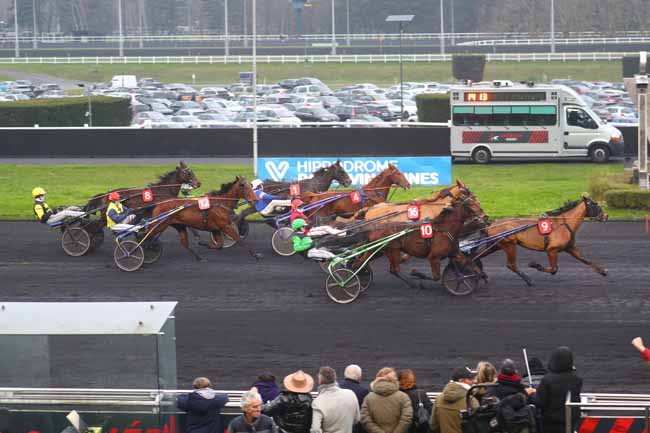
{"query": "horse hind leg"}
(510, 249)
(394, 260)
(182, 234)
(232, 232)
(577, 254)
(552, 261)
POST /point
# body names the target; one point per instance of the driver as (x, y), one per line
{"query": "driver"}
(298, 213)
(118, 216)
(302, 241)
(267, 203)
(47, 215)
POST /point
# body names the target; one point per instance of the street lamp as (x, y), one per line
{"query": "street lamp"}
(16, 46)
(119, 25)
(333, 30)
(552, 26)
(442, 27)
(254, 23)
(89, 114)
(400, 19)
(34, 26)
(225, 26)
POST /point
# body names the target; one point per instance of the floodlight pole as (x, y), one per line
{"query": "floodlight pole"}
(255, 88)
(17, 45)
(333, 30)
(401, 75)
(442, 27)
(347, 19)
(226, 43)
(119, 25)
(552, 26)
(34, 26)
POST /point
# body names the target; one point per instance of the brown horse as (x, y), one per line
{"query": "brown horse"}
(376, 191)
(447, 227)
(320, 181)
(566, 221)
(167, 186)
(216, 220)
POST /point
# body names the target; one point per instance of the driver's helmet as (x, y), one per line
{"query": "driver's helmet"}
(296, 203)
(257, 183)
(186, 189)
(297, 224)
(38, 191)
(114, 196)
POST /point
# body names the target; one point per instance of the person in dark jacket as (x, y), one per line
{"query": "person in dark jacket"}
(252, 420)
(508, 381)
(203, 407)
(537, 371)
(352, 381)
(407, 385)
(267, 387)
(291, 410)
(552, 391)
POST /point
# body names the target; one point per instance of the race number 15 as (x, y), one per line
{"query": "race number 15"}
(426, 231)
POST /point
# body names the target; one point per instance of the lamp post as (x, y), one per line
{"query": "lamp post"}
(333, 30)
(119, 25)
(254, 23)
(89, 114)
(16, 45)
(399, 19)
(552, 26)
(225, 26)
(34, 26)
(347, 22)
(442, 27)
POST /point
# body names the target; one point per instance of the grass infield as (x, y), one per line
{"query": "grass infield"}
(503, 189)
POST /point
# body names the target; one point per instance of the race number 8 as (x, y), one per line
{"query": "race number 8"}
(426, 231)
(147, 195)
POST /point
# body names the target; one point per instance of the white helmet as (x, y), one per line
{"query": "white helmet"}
(257, 183)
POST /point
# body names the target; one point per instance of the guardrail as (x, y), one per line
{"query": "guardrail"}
(249, 125)
(609, 406)
(298, 59)
(559, 41)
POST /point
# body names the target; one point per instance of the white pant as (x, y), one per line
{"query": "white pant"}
(270, 208)
(124, 225)
(325, 230)
(65, 213)
(320, 253)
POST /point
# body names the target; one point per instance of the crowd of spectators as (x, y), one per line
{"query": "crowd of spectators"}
(393, 403)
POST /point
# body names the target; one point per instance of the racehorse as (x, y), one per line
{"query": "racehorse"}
(320, 181)
(216, 220)
(167, 186)
(566, 221)
(376, 191)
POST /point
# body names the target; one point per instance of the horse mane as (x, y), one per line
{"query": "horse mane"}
(225, 187)
(568, 205)
(166, 178)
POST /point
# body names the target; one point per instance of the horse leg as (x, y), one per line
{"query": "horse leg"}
(510, 248)
(232, 232)
(215, 244)
(182, 235)
(394, 260)
(552, 254)
(577, 254)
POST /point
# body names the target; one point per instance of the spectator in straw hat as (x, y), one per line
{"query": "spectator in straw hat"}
(291, 410)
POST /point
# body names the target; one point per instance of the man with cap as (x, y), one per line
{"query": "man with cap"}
(46, 214)
(291, 410)
(118, 216)
(445, 416)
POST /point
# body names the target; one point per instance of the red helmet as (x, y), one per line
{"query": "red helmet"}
(113, 196)
(296, 202)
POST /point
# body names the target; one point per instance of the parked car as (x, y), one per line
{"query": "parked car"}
(151, 116)
(216, 92)
(212, 104)
(345, 112)
(183, 105)
(189, 112)
(315, 114)
(185, 121)
(161, 108)
(382, 111)
(215, 120)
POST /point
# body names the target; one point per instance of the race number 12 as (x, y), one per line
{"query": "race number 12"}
(204, 203)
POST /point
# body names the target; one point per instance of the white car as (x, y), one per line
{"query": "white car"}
(150, 116)
(278, 113)
(215, 120)
(190, 112)
(216, 104)
(185, 121)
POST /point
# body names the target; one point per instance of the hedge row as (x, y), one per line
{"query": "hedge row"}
(107, 111)
(433, 107)
(628, 199)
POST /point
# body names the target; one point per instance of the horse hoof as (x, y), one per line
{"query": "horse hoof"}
(534, 265)
(603, 272)
(258, 256)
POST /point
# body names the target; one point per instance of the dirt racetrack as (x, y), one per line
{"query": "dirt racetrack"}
(237, 318)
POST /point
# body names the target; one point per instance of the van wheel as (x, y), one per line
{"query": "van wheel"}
(599, 154)
(481, 155)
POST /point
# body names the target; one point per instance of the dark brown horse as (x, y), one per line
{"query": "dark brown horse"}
(320, 181)
(167, 186)
(216, 220)
(566, 221)
(376, 191)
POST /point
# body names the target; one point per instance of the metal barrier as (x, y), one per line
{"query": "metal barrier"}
(609, 406)
(559, 41)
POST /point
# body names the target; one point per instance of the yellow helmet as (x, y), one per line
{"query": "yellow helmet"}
(37, 191)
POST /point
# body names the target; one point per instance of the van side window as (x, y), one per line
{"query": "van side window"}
(578, 117)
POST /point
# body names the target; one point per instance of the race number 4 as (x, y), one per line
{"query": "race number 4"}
(413, 212)
(426, 231)
(544, 226)
(204, 203)
(147, 195)
(355, 196)
(294, 189)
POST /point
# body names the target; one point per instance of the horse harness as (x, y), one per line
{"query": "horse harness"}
(571, 233)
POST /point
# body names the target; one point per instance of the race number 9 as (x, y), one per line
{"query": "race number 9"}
(355, 196)
(426, 231)
(204, 203)
(545, 226)
(147, 195)
(294, 189)
(413, 212)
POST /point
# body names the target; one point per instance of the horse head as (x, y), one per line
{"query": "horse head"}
(246, 190)
(184, 174)
(339, 174)
(396, 177)
(594, 210)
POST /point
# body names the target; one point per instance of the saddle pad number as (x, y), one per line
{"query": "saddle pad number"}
(204, 203)
(355, 196)
(413, 212)
(426, 231)
(294, 189)
(545, 226)
(147, 195)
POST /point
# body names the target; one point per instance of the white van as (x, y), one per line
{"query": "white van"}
(506, 120)
(124, 81)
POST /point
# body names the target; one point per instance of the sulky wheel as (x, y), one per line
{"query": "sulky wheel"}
(365, 277)
(244, 228)
(97, 239)
(227, 240)
(128, 256)
(282, 243)
(152, 251)
(459, 280)
(75, 241)
(342, 286)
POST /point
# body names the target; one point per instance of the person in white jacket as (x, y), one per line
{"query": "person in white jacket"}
(335, 410)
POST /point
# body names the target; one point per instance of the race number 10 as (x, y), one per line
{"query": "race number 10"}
(545, 226)
(294, 189)
(426, 231)
(147, 195)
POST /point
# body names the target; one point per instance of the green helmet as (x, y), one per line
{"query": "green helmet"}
(297, 224)
(186, 189)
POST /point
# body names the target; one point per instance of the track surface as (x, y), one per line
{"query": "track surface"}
(237, 318)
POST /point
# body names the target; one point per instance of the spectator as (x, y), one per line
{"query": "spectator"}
(418, 396)
(291, 410)
(335, 410)
(203, 407)
(552, 391)
(252, 420)
(485, 373)
(352, 381)
(515, 411)
(644, 351)
(445, 417)
(537, 371)
(267, 387)
(508, 381)
(386, 409)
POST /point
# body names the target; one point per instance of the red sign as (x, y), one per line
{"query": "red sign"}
(147, 195)
(294, 189)
(204, 203)
(426, 231)
(545, 226)
(355, 196)
(413, 212)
